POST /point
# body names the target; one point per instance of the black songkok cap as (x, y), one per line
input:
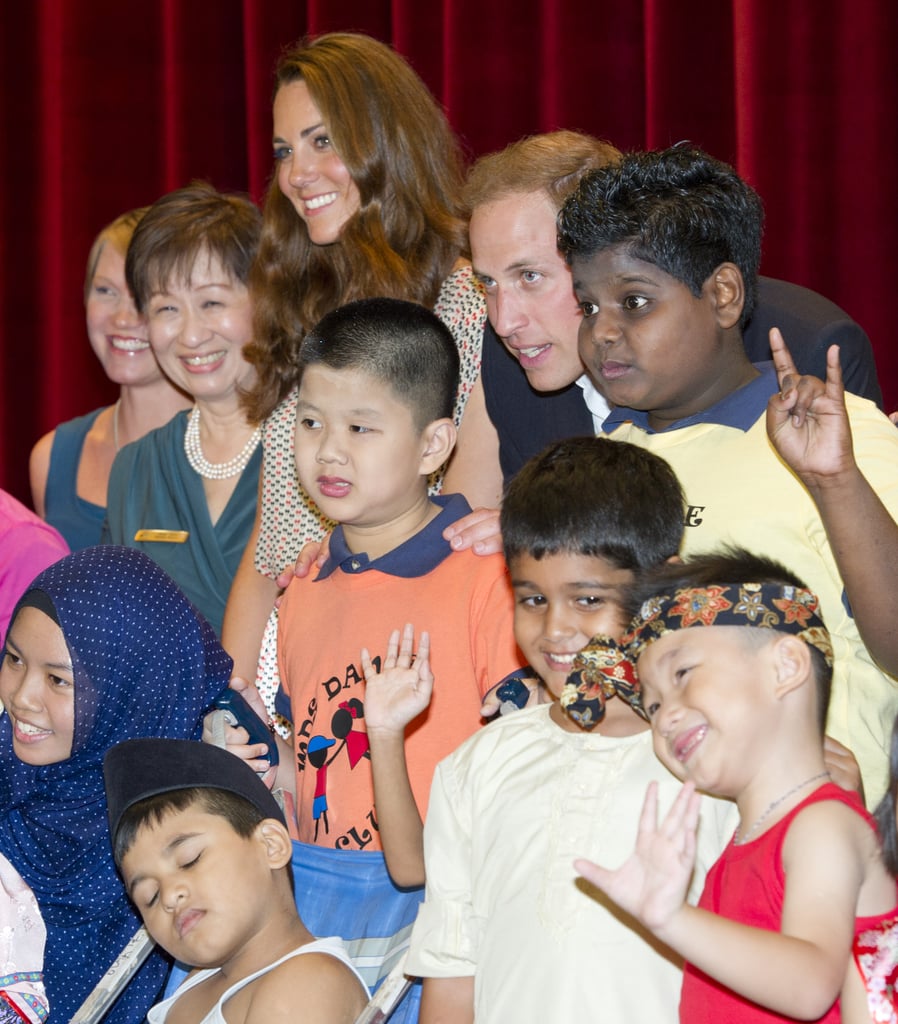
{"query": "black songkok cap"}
(137, 769)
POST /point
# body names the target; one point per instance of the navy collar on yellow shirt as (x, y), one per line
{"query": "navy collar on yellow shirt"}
(417, 556)
(740, 408)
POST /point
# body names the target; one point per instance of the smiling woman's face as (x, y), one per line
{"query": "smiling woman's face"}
(117, 332)
(310, 172)
(198, 330)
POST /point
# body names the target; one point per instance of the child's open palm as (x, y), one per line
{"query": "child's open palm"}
(402, 689)
(652, 883)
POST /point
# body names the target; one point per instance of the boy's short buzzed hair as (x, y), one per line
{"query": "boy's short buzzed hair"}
(740, 589)
(240, 814)
(553, 162)
(398, 343)
(595, 497)
(678, 208)
(182, 226)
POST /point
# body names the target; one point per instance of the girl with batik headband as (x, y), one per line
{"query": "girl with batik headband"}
(733, 664)
(103, 647)
(365, 201)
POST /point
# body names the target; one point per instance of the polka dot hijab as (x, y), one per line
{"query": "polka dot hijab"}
(146, 664)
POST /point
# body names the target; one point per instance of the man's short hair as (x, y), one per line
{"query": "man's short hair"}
(552, 163)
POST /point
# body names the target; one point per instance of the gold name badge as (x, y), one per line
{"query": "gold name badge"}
(163, 536)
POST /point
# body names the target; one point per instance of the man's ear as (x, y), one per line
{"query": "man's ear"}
(728, 294)
(275, 841)
(438, 440)
(792, 663)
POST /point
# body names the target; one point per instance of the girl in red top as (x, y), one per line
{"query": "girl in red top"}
(738, 709)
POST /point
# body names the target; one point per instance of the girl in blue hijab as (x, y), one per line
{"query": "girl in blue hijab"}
(102, 647)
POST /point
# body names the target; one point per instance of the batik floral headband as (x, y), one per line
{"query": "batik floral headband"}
(600, 670)
(606, 667)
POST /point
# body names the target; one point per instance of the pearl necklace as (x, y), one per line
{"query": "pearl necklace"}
(739, 840)
(215, 470)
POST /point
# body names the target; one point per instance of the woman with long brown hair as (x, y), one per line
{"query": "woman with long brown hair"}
(365, 201)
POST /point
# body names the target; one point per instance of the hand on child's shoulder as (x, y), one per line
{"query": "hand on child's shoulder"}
(478, 530)
(842, 766)
(313, 556)
(316, 988)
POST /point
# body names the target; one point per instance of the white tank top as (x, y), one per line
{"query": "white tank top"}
(332, 946)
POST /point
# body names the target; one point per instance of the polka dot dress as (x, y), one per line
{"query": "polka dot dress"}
(145, 664)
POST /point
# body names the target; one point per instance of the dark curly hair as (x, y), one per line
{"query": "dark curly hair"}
(678, 208)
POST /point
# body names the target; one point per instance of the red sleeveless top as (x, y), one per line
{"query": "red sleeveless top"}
(747, 884)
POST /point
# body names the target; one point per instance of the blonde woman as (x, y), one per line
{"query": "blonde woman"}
(70, 465)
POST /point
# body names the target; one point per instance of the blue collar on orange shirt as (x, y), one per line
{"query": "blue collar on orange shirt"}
(417, 556)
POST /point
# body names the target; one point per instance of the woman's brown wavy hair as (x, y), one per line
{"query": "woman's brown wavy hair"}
(409, 230)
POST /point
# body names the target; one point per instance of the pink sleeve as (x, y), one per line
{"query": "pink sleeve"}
(26, 549)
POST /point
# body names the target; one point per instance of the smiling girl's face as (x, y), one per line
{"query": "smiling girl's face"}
(37, 687)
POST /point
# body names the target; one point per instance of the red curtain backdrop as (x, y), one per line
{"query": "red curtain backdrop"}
(105, 106)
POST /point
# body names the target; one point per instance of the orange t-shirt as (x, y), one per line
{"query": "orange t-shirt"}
(466, 605)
